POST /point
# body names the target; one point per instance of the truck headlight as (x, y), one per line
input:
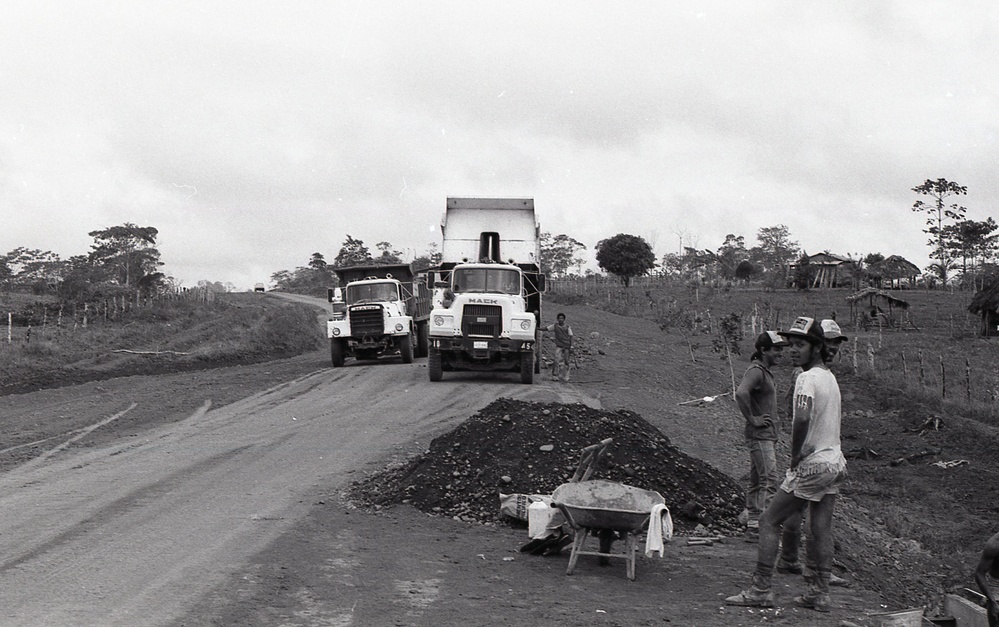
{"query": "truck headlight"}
(336, 331)
(525, 325)
(398, 327)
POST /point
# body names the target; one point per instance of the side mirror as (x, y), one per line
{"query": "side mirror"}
(329, 294)
(541, 283)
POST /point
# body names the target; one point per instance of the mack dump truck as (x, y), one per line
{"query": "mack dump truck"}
(487, 289)
(380, 310)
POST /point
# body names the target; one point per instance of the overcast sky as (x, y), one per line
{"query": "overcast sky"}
(252, 134)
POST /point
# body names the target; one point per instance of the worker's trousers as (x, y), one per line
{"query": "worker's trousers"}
(763, 479)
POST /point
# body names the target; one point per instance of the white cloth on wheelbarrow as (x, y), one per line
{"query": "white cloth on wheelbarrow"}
(660, 529)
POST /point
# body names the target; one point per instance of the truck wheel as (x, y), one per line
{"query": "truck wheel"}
(434, 366)
(422, 339)
(407, 349)
(336, 352)
(527, 367)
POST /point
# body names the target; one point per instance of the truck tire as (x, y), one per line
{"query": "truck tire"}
(406, 348)
(527, 367)
(434, 365)
(422, 339)
(336, 352)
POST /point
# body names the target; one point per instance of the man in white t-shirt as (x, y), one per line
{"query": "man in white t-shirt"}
(812, 481)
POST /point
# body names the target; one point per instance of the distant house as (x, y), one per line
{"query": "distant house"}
(828, 270)
(893, 272)
(986, 304)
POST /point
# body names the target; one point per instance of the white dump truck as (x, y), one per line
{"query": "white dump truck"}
(380, 310)
(487, 289)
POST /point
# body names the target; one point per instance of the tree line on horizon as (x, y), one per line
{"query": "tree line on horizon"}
(125, 258)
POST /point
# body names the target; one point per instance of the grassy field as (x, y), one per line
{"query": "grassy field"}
(161, 335)
(935, 358)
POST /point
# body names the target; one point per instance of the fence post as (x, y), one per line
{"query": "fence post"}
(922, 373)
(943, 379)
(905, 372)
(967, 378)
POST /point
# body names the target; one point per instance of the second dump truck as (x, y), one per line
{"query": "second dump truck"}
(380, 310)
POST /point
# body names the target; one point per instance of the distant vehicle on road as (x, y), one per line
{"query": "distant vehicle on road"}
(259, 287)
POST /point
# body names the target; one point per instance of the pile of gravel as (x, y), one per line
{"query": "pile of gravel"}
(518, 447)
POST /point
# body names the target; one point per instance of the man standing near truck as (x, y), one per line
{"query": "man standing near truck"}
(563, 348)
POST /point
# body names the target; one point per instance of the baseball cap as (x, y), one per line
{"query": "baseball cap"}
(805, 327)
(769, 339)
(832, 332)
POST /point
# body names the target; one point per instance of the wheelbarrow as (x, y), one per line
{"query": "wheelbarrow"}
(605, 509)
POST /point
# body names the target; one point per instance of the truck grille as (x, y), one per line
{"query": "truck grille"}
(367, 320)
(482, 320)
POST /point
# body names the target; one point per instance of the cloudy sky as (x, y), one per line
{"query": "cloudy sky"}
(252, 134)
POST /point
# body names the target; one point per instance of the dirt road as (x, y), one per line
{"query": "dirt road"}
(129, 533)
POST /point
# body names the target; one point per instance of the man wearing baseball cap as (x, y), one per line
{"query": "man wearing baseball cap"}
(790, 539)
(757, 400)
(812, 481)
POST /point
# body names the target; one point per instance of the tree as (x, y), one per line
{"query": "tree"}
(313, 279)
(352, 253)
(625, 256)
(973, 242)
(803, 272)
(32, 268)
(317, 262)
(429, 259)
(125, 253)
(774, 252)
(388, 255)
(731, 254)
(937, 214)
(558, 254)
(745, 271)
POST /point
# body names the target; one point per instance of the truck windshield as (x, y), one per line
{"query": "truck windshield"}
(487, 280)
(371, 292)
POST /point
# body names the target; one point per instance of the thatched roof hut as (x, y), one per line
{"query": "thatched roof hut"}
(873, 306)
(986, 304)
(895, 270)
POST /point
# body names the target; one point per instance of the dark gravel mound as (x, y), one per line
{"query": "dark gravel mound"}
(500, 450)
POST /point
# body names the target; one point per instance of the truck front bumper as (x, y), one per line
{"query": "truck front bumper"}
(481, 348)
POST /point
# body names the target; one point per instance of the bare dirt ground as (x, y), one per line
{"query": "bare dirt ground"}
(344, 565)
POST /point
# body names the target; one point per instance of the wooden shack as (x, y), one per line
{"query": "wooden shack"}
(986, 304)
(874, 307)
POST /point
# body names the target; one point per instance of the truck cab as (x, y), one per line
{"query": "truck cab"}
(481, 321)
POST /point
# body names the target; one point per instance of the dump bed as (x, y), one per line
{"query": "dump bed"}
(498, 229)
(400, 272)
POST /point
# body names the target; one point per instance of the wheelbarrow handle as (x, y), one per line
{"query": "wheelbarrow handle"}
(568, 516)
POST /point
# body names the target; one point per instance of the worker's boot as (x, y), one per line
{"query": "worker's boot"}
(817, 597)
(757, 595)
(785, 567)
